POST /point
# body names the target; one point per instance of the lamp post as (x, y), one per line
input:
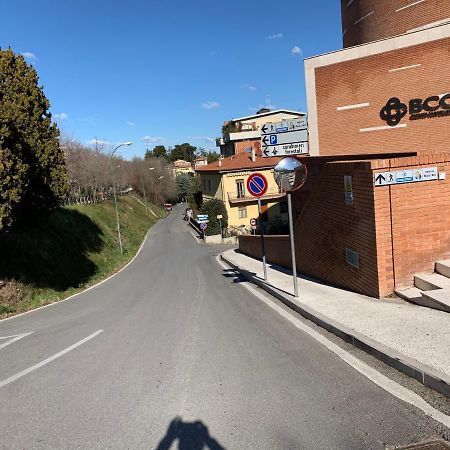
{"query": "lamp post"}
(143, 189)
(114, 191)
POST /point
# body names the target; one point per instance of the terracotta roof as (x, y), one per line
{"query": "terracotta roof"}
(239, 162)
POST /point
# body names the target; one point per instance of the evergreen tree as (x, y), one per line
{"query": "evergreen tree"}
(32, 171)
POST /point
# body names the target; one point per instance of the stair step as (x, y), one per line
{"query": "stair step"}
(443, 267)
(410, 295)
(429, 282)
(438, 299)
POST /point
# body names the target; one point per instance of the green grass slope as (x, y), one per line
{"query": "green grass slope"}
(75, 247)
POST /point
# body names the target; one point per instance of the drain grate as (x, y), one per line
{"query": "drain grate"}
(427, 445)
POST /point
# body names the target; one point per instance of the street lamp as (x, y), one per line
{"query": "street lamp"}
(114, 191)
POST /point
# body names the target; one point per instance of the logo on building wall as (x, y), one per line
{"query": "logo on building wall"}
(393, 112)
(435, 106)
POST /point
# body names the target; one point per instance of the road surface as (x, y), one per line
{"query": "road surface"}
(174, 349)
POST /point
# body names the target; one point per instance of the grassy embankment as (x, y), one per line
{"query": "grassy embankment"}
(71, 249)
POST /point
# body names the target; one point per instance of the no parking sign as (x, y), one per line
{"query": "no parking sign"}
(257, 184)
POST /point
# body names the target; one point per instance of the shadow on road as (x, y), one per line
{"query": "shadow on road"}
(190, 436)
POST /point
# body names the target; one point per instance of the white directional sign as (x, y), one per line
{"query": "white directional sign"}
(286, 125)
(289, 137)
(405, 176)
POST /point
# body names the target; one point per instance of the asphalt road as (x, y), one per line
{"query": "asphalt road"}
(186, 353)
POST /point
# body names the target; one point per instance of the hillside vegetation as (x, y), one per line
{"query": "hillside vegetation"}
(63, 253)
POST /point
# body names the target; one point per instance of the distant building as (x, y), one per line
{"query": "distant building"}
(243, 134)
(226, 180)
(181, 167)
(200, 161)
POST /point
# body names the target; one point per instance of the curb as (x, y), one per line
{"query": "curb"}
(425, 375)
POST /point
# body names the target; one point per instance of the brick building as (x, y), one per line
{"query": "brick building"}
(378, 108)
(364, 21)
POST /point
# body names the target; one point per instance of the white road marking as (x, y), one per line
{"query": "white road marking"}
(14, 338)
(58, 302)
(48, 360)
(195, 237)
(369, 372)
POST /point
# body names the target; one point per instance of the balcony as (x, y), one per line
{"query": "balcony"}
(242, 135)
(271, 194)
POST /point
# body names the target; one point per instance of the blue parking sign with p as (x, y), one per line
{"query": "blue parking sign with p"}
(273, 139)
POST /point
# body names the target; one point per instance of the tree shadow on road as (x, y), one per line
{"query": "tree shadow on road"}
(190, 436)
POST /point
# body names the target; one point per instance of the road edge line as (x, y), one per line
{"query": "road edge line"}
(382, 381)
(57, 302)
(425, 375)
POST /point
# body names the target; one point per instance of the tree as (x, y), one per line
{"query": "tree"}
(32, 170)
(183, 151)
(212, 157)
(195, 197)
(158, 152)
(213, 208)
(184, 186)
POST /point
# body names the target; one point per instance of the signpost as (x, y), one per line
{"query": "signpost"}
(289, 137)
(257, 186)
(219, 218)
(290, 174)
(253, 225)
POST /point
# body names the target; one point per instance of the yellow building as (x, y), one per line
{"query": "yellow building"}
(227, 178)
(181, 167)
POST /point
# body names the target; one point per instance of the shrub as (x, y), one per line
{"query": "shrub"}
(213, 208)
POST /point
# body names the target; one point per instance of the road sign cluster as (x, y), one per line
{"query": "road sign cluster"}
(289, 137)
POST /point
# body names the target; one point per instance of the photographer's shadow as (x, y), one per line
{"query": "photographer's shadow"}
(190, 436)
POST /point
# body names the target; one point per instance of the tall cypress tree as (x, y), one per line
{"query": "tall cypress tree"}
(33, 176)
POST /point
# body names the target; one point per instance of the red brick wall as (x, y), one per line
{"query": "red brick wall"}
(368, 80)
(326, 226)
(277, 249)
(420, 233)
(390, 252)
(240, 146)
(385, 21)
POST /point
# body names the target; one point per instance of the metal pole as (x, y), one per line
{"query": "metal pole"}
(291, 232)
(145, 197)
(115, 202)
(221, 233)
(261, 228)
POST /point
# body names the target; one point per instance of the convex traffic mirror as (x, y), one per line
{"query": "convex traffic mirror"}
(290, 174)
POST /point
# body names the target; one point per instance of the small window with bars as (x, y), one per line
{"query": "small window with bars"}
(242, 212)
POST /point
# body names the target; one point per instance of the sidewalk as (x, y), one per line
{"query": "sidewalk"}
(413, 339)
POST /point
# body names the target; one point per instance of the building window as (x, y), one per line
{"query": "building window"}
(204, 184)
(242, 212)
(283, 207)
(209, 185)
(240, 189)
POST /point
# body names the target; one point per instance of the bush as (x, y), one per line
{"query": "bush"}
(11, 295)
(213, 208)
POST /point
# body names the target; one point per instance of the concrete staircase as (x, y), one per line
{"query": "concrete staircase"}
(430, 290)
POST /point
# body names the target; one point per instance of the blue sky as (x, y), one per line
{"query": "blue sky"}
(167, 71)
